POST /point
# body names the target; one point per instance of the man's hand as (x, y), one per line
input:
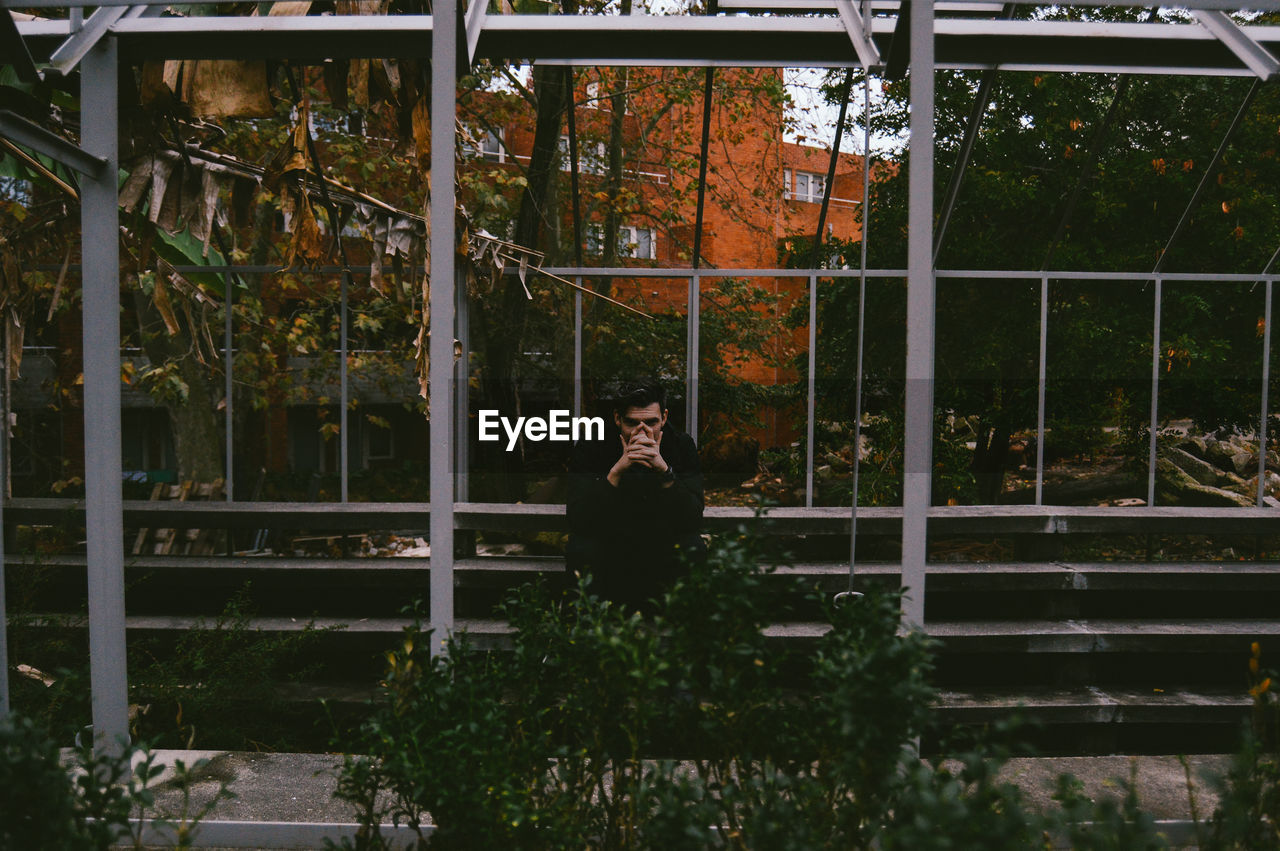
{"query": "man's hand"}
(642, 449)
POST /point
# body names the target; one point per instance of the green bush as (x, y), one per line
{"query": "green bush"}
(87, 802)
(687, 729)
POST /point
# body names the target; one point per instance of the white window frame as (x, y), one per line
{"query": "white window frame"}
(589, 161)
(489, 146)
(813, 182)
(629, 241)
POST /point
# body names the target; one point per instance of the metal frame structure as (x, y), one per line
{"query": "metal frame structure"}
(940, 34)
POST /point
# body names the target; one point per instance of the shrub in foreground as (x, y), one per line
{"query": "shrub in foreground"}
(689, 729)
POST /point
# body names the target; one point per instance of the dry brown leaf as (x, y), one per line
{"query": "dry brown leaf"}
(307, 247)
(227, 88)
(160, 297)
(422, 133)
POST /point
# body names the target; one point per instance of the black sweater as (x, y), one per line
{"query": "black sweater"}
(627, 535)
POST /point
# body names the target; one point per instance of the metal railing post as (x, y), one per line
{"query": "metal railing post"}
(1040, 386)
(4, 494)
(813, 364)
(99, 215)
(228, 368)
(1266, 393)
(691, 368)
(344, 434)
(462, 393)
(577, 349)
(1155, 394)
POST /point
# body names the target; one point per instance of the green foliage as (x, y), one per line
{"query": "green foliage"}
(87, 802)
(1035, 147)
(1248, 814)
(218, 685)
(778, 750)
(737, 327)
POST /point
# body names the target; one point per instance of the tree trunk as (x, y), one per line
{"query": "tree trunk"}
(499, 329)
(989, 459)
(194, 422)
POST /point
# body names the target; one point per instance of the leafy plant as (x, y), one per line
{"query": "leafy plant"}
(87, 803)
(569, 739)
(219, 675)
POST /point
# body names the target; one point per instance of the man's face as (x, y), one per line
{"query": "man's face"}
(651, 418)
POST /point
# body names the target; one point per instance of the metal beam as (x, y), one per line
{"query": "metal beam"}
(12, 46)
(474, 23)
(898, 51)
(100, 247)
(921, 296)
(1256, 57)
(942, 7)
(856, 26)
(1091, 46)
(18, 129)
(980, 104)
(442, 283)
(65, 59)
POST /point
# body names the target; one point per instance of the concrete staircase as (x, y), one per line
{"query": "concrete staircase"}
(1105, 656)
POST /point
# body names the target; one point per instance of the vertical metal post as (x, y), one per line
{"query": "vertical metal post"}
(862, 316)
(1266, 392)
(691, 368)
(577, 349)
(462, 393)
(921, 296)
(813, 365)
(1155, 394)
(4, 494)
(344, 435)
(100, 235)
(228, 367)
(1040, 386)
(857, 414)
(443, 118)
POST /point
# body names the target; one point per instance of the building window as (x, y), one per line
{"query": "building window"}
(379, 441)
(803, 185)
(638, 242)
(593, 95)
(591, 156)
(483, 144)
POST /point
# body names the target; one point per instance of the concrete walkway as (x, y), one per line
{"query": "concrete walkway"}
(286, 800)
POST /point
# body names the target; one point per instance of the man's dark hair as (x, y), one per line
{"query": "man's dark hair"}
(639, 394)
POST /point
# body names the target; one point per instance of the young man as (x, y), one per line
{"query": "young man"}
(635, 500)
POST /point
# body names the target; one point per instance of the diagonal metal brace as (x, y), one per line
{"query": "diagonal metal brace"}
(68, 55)
(1256, 57)
(473, 23)
(18, 129)
(12, 46)
(854, 25)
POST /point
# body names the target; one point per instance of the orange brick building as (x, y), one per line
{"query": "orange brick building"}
(761, 190)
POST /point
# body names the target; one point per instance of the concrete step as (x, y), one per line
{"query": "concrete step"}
(380, 587)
